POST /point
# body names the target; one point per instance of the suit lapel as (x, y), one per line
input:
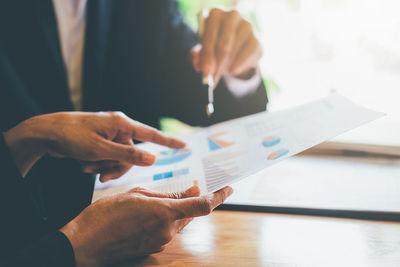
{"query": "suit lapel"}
(48, 24)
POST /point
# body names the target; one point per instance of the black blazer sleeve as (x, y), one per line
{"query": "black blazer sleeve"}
(51, 250)
(20, 242)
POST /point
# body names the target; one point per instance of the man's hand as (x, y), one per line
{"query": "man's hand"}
(136, 223)
(103, 141)
(228, 46)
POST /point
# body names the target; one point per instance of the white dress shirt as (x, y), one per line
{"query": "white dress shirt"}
(71, 27)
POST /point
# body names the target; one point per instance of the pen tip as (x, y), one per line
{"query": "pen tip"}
(210, 109)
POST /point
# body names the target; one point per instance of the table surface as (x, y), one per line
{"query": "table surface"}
(231, 238)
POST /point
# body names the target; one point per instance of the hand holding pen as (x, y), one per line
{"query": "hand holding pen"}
(228, 47)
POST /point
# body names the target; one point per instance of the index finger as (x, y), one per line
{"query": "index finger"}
(145, 133)
(200, 206)
(226, 40)
(209, 39)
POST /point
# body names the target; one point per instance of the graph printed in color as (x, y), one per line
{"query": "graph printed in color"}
(172, 156)
(278, 154)
(170, 174)
(215, 141)
(180, 182)
(270, 141)
(215, 176)
(220, 169)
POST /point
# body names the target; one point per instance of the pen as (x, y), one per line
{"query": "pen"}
(209, 79)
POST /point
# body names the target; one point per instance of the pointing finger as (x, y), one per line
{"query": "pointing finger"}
(145, 133)
(127, 153)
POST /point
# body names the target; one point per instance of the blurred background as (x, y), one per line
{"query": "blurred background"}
(312, 47)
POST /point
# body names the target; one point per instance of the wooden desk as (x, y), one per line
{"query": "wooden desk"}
(228, 238)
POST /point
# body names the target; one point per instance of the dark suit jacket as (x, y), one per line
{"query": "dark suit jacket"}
(22, 244)
(135, 60)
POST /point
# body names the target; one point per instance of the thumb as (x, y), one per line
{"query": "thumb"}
(193, 191)
(200, 206)
(195, 56)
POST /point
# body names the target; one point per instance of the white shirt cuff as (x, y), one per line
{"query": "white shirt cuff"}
(239, 87)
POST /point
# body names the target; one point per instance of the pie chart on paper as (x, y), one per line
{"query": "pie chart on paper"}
(216, 141)
(277, 154)
(270, 141)
(172, 156)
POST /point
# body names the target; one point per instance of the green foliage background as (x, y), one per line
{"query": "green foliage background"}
(190, 8)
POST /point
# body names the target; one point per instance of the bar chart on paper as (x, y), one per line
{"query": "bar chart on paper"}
(221, 168)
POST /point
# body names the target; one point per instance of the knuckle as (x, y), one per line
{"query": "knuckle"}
(216, 12)
(204, 206)
(223, 48)
(223, 196)
(114, 114)
(137, 189)
(174, 195)
(138, 157)
(234, 14)
(247, 25)
(120, 114)
(132, 154)
(153, 135)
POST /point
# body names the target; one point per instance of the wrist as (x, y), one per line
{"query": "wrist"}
(76, 239)
(27, 143)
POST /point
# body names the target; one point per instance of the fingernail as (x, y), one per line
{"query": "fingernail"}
(206, 69)
(193, 191)
(149, 158)
(179, 143)
(229, 190)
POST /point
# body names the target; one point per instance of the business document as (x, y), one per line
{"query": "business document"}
(230, 151)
